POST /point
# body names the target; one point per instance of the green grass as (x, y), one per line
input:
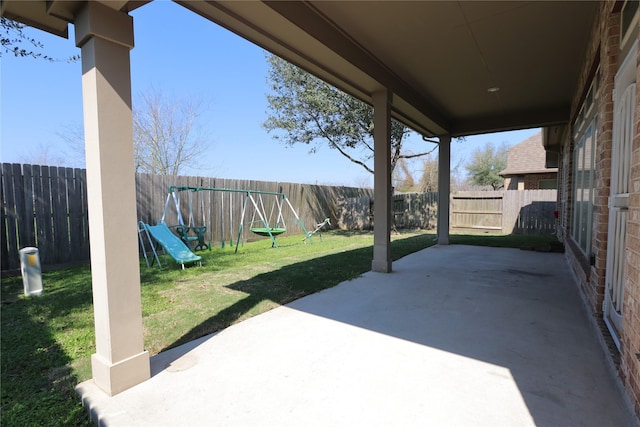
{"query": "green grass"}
(43, 340)
(47, 341)
(521, 241)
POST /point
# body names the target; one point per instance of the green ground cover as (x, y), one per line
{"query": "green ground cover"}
(47, 341)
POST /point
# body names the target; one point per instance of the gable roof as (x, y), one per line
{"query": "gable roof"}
(527, 157)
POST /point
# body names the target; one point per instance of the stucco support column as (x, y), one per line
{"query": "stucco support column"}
(106, 37)
(382, 182)
(444, 189)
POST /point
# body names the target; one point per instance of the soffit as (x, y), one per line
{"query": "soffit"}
(439, 58)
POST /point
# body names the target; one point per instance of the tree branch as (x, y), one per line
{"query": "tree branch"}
(411, 156)
(356, 161)
(337, 146)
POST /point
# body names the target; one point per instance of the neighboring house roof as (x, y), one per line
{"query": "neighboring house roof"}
(527, 157)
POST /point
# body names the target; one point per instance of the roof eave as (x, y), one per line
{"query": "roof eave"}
(54, 16)
(528, 172)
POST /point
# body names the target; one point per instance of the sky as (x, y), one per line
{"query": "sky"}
(41, 102)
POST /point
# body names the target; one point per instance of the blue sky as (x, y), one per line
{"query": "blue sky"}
(41, 100)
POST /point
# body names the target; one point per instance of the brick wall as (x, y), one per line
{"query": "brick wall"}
(609, 57)
(530, 181)
(605, 51)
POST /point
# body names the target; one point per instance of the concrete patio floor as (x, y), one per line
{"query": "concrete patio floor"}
(455, 336)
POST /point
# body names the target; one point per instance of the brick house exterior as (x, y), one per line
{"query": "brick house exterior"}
(586, 148)
(527, 167)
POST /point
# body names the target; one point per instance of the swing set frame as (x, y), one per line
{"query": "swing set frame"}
(252, 197)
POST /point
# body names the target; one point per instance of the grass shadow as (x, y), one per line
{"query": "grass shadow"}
(38, 378)
(294, 281)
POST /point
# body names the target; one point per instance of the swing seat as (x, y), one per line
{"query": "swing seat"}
(182, 230)
(266, 232)
(202, 245)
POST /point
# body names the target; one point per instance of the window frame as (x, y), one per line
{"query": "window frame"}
(585, 137)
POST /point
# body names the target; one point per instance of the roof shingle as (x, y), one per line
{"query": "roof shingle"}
(527, 157)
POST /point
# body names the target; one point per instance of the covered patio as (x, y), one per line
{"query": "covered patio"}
(452, 335)
(497, 340)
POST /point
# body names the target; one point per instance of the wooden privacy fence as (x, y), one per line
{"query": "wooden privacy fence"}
(46, 207)
(511, 211)
(522, 212)
(529, 211)
(410, 210)
(477, 210)
(223, 210)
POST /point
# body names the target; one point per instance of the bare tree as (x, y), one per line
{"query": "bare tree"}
(73, 136)
(429, 179)
(166, 135)
(402, 178)
(46, 155)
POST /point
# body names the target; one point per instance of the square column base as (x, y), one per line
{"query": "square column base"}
(114, 378)
(381, 262)
(381, 266)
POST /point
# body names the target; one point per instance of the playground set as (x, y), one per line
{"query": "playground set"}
(267, 220)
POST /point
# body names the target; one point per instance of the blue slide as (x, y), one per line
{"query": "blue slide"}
(171, 243)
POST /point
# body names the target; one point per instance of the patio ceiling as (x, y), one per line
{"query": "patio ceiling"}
(440, 59)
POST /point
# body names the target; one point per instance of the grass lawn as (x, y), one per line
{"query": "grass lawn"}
(47, 341)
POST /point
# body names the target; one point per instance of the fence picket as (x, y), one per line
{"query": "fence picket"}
(54, 197)
(75, 220)
(27, 233)
(10, 206)
(81, 179)
(38, 207)
(60, 214)
(19, 197)
(47, 250)
(4, 250)
(8, 250)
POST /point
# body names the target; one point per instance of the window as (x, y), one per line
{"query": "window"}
(548, 184)
(628, 20)
(584, 173)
